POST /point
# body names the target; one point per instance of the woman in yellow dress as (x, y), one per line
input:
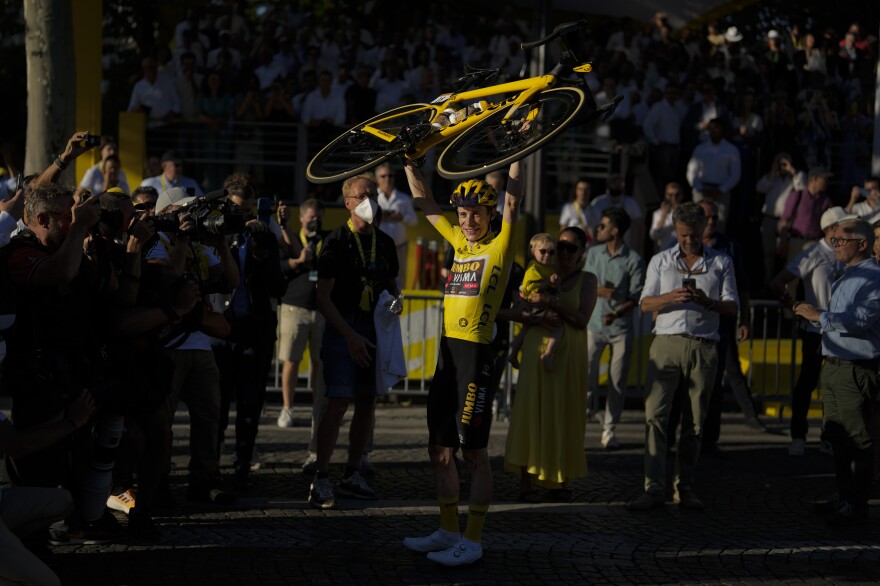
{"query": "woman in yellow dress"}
(545, 442)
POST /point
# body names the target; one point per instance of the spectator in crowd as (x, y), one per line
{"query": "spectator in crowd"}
(214, 109)
(577, 212)
(546, 435)
(389, 85)
(104, 175)
(187, 85)
(172, 176)
(776, 185)
(696, 123)
(620, 274)
(155, 96)
(870, 191)
(465, 372)
(245, 356)
(689, 286)
(356, 264)
(817, 268)
(269, 70)
(662, 231)
(196, 379)
(323, 107)
(614, 198)
(225, 50)
(360, 98)
(714, 170)
(799, 226)
(662, 128)
(398, 212)
(851, 349)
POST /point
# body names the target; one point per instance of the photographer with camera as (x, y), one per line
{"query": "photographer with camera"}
(300, 322)
(246, 355)
(195, 256)
(64, 287)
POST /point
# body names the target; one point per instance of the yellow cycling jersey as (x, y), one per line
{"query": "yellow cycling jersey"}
(476, 282)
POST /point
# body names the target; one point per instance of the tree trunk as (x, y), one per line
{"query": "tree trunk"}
(50, 81)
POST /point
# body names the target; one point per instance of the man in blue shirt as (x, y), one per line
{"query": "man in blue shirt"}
(851, 347)
(621, 273)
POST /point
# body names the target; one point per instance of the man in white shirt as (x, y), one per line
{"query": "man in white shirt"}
(93, 179)
(154, 95)
(776, 186)
(871, 204)
(323, 107)
(714, 170)
(577, 212)
(662, 128)
(172, 176)
(614, 198)
(689, 286)
(398, 212)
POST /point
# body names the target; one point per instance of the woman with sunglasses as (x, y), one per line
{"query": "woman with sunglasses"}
(545, 442)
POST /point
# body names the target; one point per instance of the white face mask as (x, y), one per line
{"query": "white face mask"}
(366, 210)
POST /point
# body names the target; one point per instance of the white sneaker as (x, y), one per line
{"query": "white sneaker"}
(461, 554)
(123, 502)
(321, 494)
(437, 541)
(797, 447)
(285, 419)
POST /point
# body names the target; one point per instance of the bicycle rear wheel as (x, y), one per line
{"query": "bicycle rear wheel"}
(491, 143)
(356, 151)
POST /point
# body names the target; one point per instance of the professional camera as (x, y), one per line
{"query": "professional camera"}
(211, 213)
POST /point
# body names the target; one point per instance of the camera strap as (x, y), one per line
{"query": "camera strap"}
(367, 291)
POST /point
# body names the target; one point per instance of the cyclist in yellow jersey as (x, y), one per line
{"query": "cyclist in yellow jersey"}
(460, 397)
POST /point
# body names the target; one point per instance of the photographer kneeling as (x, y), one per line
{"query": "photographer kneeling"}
(194, 254)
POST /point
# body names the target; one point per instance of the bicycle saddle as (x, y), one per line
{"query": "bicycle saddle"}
(474, 75)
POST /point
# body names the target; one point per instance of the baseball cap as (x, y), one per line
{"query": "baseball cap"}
(732, 35)
(175, 196)
(172, 156)
(833, 216)
(773, 34)
(819, 172)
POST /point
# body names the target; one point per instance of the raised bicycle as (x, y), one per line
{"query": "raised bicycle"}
(487, 127)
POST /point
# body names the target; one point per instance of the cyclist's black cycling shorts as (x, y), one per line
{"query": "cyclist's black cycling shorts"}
(461, 395)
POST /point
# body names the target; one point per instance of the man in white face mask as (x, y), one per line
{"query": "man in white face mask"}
(357, 262)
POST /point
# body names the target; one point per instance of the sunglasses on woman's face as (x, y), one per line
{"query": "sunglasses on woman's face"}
(567, 247)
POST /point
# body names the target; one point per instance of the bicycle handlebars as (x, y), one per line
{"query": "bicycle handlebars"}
(560, 30)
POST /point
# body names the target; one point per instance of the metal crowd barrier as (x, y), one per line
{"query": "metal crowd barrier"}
(770, 359)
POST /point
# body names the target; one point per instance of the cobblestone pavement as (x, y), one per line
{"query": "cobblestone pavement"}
(757, 526)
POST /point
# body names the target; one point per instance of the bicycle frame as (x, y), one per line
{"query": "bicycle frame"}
(523, 91)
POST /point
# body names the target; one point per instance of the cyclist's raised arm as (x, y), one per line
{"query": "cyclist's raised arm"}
(422, 193)
(513, 194)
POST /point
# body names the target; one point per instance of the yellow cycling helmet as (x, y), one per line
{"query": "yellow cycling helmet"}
(474, 192)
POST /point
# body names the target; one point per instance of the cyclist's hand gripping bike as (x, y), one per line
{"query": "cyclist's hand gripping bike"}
(487, 127)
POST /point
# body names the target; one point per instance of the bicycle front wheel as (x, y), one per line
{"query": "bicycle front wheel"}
(493, 142)
(356, 150)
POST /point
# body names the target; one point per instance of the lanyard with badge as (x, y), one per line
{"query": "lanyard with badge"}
(313, 274)
(367, 292)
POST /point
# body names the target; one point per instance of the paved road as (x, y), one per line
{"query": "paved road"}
(758, 525)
